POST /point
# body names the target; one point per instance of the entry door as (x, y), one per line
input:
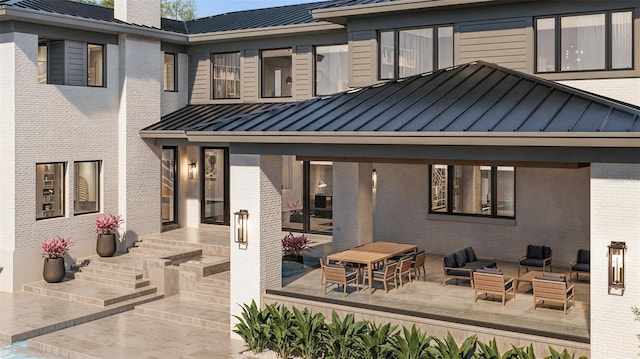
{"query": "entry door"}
(215, 186)
(169, 190)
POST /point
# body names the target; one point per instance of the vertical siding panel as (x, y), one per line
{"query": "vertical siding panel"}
(504, 42)
(250, 76)
(199, 78)
(303, 72)
(76, 53)
(56, 63)
(363, 58)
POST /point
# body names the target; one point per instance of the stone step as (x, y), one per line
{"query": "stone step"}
(86, 292)
(112, 273)
(116, 282)
(150, 251)
(220, 280)
(188, 311)
(207, 249)
(130, 264)
(208, 289)
(206, 297)
(165, 246)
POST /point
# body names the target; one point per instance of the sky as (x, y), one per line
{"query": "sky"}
(216, 7)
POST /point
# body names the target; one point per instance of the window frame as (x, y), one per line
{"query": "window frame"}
(43, 44)
(396, 48)
(176, 179)
(174, 72)
(262, 81)
(608, 45)
(103, 78)
(62, 187)
(450, 194)
(98, 189)
(213, 79)
(315, 70)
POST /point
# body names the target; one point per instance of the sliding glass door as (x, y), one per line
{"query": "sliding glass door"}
(169, 184)
(215, 188)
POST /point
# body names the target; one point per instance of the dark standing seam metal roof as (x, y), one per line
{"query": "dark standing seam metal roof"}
(476, 97)
(345, 3)
(194, 114)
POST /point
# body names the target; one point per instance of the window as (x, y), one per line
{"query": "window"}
(50, 190)
(418, 50)
(169, 72)
(332, 69)
(600, 41)
(276, 73)
(95, 69)
(215, 186)
(42, 63)
(473, 190)
(226, 75)
(169, 184)
(87, 187)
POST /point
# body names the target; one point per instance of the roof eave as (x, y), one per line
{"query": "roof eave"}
(534, 139)
(70, 21)
(264, 32)
(162, 134)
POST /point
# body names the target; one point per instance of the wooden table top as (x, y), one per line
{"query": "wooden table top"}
(372, 252)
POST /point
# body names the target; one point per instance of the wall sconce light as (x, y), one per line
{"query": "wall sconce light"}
(288, 80)
(374, 180)
(616, 267)
(193, 170)
(242, 226)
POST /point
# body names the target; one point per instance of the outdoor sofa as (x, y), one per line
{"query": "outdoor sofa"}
(461, 264)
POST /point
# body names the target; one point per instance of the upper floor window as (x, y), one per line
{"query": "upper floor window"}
(414, 51)
(332, 69)
(95, 65)
(277, 75)
(42, 63)
(226, 75)
(473, 190)
(169, 72)
(599, 41)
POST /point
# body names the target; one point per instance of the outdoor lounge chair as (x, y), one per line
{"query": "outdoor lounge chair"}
(337, 274)
(491, 281)
(553, 289)
(384, 275)
(581, 264)
(418, 264)
(538, 257)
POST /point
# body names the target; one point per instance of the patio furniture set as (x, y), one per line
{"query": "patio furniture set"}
(388, 262)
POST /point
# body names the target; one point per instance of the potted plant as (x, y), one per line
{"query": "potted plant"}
(53, 251)
(295, 211)
(106, 226)
(293, 246)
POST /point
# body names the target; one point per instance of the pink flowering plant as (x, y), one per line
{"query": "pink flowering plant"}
(294, 245)
(55, 247)
(108, 223)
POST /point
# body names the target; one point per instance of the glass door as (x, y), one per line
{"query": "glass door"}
(215, 189)
(169, 190)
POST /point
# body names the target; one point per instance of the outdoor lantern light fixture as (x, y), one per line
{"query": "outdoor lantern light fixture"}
(242, 226)
(288, 80)
(374, 180)
(193, 170)
(616, 267)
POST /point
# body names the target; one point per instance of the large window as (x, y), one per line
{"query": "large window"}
(277, 76)
(169, 184)
(169, 72)
(215, 194)
(473, 190)
(332, 69)
(414, 51)
(50, 190)
(226, 75)
(599, 41)
(87, 187)
(95, 65)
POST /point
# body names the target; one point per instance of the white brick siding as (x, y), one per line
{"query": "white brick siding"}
(627, 90)
(352, 199)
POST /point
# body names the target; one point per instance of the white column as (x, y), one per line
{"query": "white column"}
(352, 205)
(615, 216)
(255, 185)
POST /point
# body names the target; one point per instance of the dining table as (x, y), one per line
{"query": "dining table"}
(372, 253)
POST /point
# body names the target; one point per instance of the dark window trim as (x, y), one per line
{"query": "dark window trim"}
(227, 167)
(212, 69)
(313, 67)
(64, 188)
(262, 70)
(104, 65)
(494, 195)
(608, 43)
(98, 187)
(396, 46)
(175, 72)
(175, 183)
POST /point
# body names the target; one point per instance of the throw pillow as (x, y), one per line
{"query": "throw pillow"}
(535, 252)
(450, 261)
(471, 254)
(461, 258)
(584, 256)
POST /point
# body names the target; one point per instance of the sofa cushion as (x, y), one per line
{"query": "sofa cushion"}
(581, 267)
(535, 252)
(459, 273)
(530, 262)
(508, 286)
(489, 270)
(471, 254)
(551, 278)
(450, 261)
(546, 252)
(461, 257)
(584, 256)
(480, 264)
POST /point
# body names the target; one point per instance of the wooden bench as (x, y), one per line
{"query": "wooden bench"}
(492, 284)
(553, 291)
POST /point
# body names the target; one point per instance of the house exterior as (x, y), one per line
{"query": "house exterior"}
(176, 124)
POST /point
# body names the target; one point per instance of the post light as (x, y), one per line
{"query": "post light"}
(616, 267)
(242, 226)
(193, 170)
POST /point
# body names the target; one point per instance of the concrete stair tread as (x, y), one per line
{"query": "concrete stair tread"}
(206, 297)
(87, 292)
(189, 311)
(112, 281)
(131, 262)
(111, 273)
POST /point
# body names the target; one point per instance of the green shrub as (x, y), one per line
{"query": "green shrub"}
(411, 344)
(280, 324)
(490, 351)
(253, 327)
(338, 339)
(374, 340)
(308, 330)
(561, 355)
(448, 348)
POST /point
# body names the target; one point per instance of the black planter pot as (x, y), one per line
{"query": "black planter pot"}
(53, 270)
(291, 258)
(106, 245)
